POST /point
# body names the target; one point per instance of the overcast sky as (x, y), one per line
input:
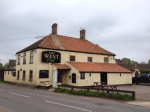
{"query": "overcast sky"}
(120, 26)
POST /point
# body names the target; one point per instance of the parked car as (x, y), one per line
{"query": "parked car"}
(45, 84)
(141, 78)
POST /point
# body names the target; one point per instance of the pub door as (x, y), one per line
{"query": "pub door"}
(103, 78)
(73, 78)
(60, 76)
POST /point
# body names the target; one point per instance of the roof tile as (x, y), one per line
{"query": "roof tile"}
(99, 67)
(69, 44)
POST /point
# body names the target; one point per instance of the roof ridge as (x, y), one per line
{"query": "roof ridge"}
(57, 42)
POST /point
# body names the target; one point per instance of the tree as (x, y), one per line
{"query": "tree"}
(1, 66)
(149, 61)
(142, 62)
(127, 61)
(6, 66)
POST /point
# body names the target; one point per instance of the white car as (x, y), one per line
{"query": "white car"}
(46, 84)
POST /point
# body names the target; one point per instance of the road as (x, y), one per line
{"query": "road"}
(23, 99)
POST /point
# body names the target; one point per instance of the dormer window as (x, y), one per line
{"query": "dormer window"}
(106, 60)
(72, 58)
(89, 59)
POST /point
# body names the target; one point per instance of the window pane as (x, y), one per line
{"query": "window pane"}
(24, 59)
(89, 59)
(72, 58)
(106, 59)
(31, 75)
(44, 74)
(31, 57)
(18, 59)
(82, 75)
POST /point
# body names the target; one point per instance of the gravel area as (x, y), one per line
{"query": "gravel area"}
(2, 110)
(142, 92)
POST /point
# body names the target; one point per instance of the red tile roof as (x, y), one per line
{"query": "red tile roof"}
(68, 44)
(98, 67)
(61, 67)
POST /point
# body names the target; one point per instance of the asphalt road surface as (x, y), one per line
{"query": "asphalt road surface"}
(23, 99)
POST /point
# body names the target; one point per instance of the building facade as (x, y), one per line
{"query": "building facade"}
(68, 60)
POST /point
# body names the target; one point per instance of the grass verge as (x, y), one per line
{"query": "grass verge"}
(116, 96)
(2, 81)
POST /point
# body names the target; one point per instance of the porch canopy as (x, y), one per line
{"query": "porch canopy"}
(62, 67)
(99, 67)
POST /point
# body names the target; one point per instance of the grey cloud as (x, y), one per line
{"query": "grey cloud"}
(120, 26)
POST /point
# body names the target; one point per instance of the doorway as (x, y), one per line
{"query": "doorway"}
(60, 76)
(104, 78)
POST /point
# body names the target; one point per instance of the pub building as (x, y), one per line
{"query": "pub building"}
(68, 60)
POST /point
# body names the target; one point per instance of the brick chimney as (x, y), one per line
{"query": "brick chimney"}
(82, 34)
(54, 28)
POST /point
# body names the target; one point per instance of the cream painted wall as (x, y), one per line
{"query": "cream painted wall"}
(116, 78)
(67, 78)
(113, 78)
(38, 65)
(80, 57)
(89, 80)
(27, 67)
(9, 77)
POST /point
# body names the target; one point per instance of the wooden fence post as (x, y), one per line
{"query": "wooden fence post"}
(133, 95)
(71, 88)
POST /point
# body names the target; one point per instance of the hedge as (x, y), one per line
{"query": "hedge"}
(145, 71)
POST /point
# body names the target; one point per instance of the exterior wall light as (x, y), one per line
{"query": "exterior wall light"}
(69, 77)
(90, 74)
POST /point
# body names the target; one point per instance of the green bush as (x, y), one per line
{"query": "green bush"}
(116, 96)
(145, 71)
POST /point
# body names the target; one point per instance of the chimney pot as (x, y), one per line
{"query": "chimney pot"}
(54, 28)
(82, 34)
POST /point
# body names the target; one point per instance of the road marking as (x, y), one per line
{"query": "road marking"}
(67, 106)
(20, 95)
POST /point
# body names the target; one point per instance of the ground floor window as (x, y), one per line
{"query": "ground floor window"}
(82, 75)
(24, 75)
(13, 73)
(30, 75)
(18, 73)
(44, 74)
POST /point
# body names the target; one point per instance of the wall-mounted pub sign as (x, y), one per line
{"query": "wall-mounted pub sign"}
(51, 57)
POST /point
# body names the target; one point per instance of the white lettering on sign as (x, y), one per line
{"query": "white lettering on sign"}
(51, 56)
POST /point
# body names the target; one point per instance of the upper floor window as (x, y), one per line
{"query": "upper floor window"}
(24, 58)
(106, 60)
(18, 59)
(72, 58)
(89, 59)
(31, 56)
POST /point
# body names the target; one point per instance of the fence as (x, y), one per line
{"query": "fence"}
(99, 89)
